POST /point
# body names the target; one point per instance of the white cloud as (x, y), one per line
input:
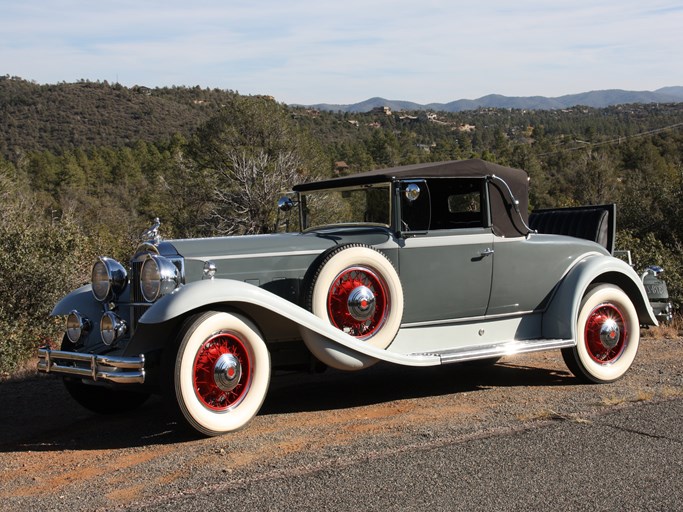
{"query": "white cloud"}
(305, 51)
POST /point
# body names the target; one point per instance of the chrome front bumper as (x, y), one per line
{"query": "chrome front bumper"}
(122, 370)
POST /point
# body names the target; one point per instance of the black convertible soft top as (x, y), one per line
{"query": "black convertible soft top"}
(506, 220)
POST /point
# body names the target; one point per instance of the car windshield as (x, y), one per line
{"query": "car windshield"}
(370, 204)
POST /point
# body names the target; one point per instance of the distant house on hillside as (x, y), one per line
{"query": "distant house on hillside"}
(341, 167)
(142, 90)
(381, 110)
(427, 148)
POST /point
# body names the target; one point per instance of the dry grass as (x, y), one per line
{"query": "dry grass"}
(611, 401)
(670, 331)
(671, 392)
(549, 414)
(540, 415)
(644, 396)
(641, 395)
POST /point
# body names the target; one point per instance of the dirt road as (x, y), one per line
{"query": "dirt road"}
(56, 456)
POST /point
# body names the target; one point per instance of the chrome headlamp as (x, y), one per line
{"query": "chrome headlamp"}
(158, 277)
(77, 326)
(112, 328)
(109, 279)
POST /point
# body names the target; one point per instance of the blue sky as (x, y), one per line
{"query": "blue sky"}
(345, 51)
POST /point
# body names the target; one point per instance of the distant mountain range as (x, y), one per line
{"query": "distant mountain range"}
(596, 99)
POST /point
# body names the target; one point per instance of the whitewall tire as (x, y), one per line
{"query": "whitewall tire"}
(221, 372)
(358, 290)
(608, 335)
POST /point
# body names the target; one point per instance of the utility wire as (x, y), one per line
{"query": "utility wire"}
(618, 140)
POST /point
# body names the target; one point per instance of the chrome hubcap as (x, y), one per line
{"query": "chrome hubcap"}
(361, 303)
(227, 372)
(606, 333)
(610, 333)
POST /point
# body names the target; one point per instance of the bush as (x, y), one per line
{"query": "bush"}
(40, 260)
(649, 250)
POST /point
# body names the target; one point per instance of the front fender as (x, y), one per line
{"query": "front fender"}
(81, 300)
(319, 335)
(559, 320)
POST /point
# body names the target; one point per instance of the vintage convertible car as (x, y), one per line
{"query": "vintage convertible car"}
(419, 265)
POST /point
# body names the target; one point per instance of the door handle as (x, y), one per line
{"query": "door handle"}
(486, 252)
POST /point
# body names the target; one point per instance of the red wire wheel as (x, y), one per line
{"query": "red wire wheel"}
(605, 334)
(221, 372)
(358, 291)
(358, 302)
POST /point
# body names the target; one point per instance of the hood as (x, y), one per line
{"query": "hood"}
(232, 247)
(259, 259)
(253, 258)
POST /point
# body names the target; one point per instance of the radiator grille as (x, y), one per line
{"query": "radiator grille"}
(138, 303)
(137, 310)
(135, 292)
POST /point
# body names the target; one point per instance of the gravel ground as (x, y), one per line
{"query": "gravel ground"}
(55, 455)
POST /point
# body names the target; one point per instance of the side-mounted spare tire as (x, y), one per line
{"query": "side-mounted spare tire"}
(357, 289)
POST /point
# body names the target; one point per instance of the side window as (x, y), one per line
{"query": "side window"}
(469, 202)
(457, 203)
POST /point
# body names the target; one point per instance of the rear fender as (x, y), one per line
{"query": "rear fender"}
(559, 320)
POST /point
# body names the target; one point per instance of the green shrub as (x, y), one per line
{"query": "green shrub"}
(40, 261)
(649, 250)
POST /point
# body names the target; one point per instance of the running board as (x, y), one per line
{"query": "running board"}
(498, 350)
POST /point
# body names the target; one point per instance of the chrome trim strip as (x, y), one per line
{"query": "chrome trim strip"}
(456, 321)
(258, 255)
(122, 370)
(499, 349)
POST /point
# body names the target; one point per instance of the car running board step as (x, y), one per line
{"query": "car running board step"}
(498, 350)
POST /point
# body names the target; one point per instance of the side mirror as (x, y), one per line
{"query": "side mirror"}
(285, 204)
(412, 192)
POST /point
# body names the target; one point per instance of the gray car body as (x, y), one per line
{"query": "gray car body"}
(469, 293)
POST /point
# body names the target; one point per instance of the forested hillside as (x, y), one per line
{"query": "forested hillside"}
(84, 168)
(94, 114)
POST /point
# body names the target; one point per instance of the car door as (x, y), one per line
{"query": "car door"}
(527, 270)
(446, 258)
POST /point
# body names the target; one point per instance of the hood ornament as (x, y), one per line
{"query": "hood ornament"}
(152, 234)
